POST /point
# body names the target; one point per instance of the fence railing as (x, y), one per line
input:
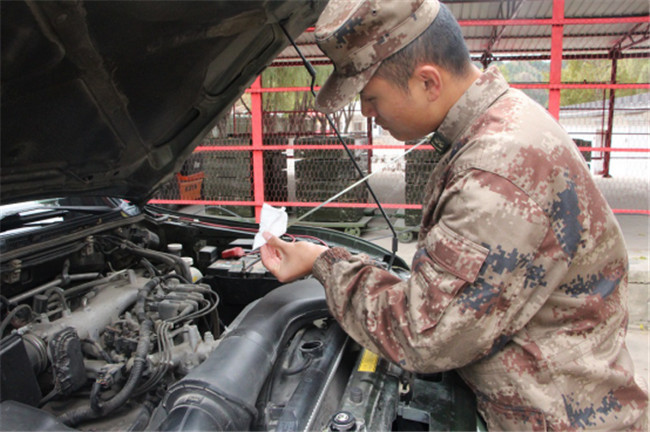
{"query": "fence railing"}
(288, 156)
(301, 169)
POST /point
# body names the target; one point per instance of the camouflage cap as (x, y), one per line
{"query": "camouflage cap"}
(358, 35)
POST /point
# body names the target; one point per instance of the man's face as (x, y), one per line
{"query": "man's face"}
(403, 114)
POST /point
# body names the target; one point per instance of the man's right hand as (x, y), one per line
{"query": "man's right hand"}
(289, 261)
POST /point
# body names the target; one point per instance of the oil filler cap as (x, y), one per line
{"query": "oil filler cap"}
(343, 421)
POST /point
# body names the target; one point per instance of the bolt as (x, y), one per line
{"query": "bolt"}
(342, 417)
(356, 395)
(343, 421)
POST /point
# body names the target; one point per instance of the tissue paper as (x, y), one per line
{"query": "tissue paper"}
(273, 220)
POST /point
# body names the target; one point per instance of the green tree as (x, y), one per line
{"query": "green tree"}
(632, 71)
(629, 71)
(527, 72)
(584, 71)
(290, 110)
(578, 71)
(294, 110)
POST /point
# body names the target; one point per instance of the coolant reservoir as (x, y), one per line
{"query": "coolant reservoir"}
(196, 273)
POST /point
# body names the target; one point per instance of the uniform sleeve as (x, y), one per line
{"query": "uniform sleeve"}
(473, 284)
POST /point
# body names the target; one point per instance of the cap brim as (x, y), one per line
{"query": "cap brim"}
(339, 90)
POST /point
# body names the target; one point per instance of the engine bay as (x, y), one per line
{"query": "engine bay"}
(160, 321)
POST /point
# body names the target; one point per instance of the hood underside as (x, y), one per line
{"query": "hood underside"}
(109, 97)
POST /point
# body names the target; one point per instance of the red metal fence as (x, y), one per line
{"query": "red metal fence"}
(288, 157)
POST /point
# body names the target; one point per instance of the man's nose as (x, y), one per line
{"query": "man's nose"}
(367, 110)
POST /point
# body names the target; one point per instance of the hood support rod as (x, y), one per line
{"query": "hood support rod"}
(312, 74)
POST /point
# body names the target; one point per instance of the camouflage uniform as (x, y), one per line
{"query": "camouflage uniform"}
(520, 280)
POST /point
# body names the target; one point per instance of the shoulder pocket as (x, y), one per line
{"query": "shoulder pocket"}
(456, 254)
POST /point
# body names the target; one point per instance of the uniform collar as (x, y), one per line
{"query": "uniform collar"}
(480, 95)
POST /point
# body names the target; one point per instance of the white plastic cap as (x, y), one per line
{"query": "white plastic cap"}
(174, 247)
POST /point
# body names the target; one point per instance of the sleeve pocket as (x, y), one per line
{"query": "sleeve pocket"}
(456, 254)
(509, 417)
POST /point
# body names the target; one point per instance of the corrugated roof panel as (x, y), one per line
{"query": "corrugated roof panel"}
(536, 10)
(587, 39)
(473, 10)
(479, 9)
(603, 36)
(525, 31)
(605, 8)
(519, 38)
(593, 43)
(612, 29)
(533, 44)
(478, 31)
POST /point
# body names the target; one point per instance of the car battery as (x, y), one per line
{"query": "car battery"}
(207, 255)
(247, 267)
(238, 280)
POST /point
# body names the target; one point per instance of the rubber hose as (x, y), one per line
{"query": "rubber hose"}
(74, 417)
(142, 298)
(179, 265)
(142, 419)
(221, 392)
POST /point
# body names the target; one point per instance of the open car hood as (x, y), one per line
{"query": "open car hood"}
(109, 97)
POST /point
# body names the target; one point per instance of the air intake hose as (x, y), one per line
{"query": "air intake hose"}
(220, 394)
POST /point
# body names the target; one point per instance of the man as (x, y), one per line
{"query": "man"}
(520, 279)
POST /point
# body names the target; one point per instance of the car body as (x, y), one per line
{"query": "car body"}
(118, 315)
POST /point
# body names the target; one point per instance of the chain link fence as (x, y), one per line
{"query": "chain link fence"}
(304, 167)
(299, 163)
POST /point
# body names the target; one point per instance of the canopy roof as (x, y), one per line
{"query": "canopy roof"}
(521, 30)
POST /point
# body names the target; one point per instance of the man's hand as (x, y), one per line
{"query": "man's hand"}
(289, 261)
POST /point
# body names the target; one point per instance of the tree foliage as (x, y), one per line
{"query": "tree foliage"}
(578, 71)
(290, 110)
(527, 72)
(628, 71)
(295, 110)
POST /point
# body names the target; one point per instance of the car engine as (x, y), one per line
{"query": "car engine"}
(118, 329)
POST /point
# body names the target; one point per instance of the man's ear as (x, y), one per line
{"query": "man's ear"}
(430, 80)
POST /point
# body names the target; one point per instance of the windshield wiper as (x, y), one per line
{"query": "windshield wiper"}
(19, 220)
(38, 214)
(84, 209)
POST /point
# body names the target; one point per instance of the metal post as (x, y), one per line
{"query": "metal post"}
(258, 159)
(557, 33)
(610, 116)
(370, 142)
(234, 120)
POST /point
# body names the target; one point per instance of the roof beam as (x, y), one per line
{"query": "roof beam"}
(553, 21)
(566, 36)
(514, 55)
(513, 7)
(644, 36)
(526, 56)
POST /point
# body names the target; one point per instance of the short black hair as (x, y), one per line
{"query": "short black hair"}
(441, 43)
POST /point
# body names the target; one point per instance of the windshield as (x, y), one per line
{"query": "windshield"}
(30, 215)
